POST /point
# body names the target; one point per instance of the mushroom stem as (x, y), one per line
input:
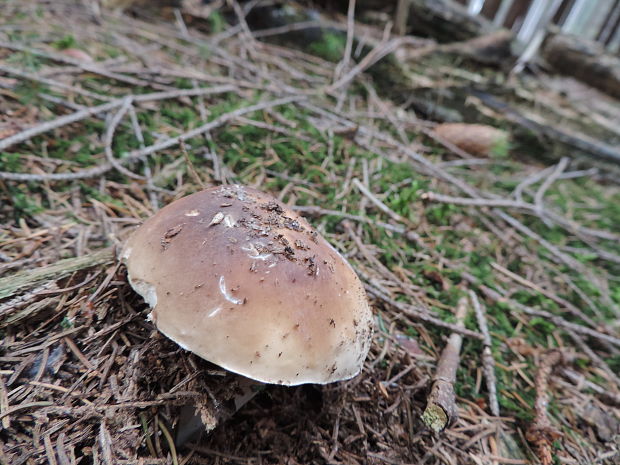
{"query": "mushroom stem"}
(441, 408)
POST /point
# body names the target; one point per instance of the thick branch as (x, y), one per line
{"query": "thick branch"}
(29, 279)
(441, 406)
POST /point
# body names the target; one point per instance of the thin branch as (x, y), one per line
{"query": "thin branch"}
(380, 205)
(141, 154)
(420, 314)
(594, 358)
(344, 63)
(476, 202)
(58, 122)
(52, 83)
(580, 173)
(563, 302)
(277, 30)
(250, 41)
(92, 68)
(555, 319)
(582, 382)
(318, 211)
(137, 130)
(534, 209)
(109, 138)
(87, 112)
(488, 362)
(472, 280)
(529, 180)
(540, 194)
(555, 252)
(385, 47)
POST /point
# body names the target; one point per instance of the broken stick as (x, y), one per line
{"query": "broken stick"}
(441, 408)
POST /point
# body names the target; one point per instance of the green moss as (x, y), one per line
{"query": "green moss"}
(24, 203)
(543, 325)
(614, 363)
(93, 193)
(330, 47)
(501, 148)
(10, 161)
(440, 215)
(67, 41)
(25, 60)
(217, 22)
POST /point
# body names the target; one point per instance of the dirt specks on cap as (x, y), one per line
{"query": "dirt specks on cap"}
(169, 234)
(217, 219)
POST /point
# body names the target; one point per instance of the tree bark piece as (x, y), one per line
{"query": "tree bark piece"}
(541, 434)
(441, 408)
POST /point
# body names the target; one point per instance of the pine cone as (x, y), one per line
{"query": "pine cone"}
(476, 139)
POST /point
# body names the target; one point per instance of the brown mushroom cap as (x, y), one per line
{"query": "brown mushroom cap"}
(236, 277)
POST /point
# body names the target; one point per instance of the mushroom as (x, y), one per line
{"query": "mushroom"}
(241, 280)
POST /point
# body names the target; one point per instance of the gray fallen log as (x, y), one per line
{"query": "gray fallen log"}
(445, 21)
(584, 60)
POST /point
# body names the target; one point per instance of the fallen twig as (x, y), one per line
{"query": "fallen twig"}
(140, 154)
(378, 203)
(86, 112)
(488, 363)
(594, 358)
(385, 47)
(555, 319)
(344, 63)
(582, 383)
(472, 280)
(109, 138)
(29, 279)
(540, 194)
(420, 314)
(534, 209)
(58, 122)
(52, 83)
(441, 408)
(89, 67)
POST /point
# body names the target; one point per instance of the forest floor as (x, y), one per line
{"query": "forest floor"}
(105, 118)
